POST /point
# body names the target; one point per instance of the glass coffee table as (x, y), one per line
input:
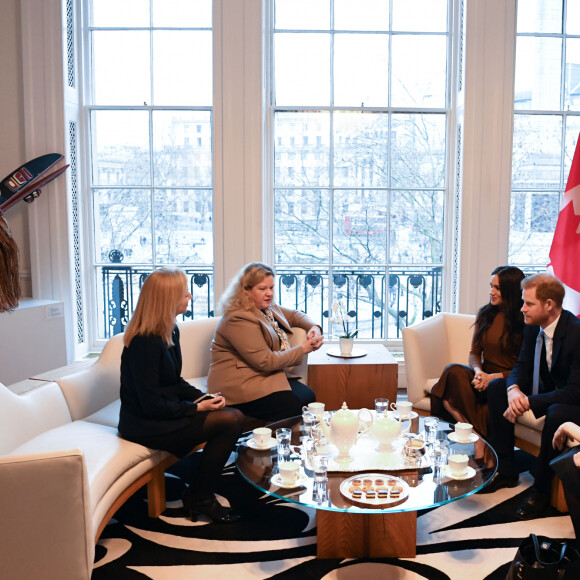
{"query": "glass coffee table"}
(350, 529)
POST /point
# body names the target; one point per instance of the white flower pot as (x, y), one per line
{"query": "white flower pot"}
(345, 346)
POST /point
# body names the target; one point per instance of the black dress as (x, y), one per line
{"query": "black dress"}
(157, 410)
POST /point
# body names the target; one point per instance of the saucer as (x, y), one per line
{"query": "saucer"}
(467, 474)
(270, 444)
(278, 482)
(472, 438)
(356, 352)
(411, 415)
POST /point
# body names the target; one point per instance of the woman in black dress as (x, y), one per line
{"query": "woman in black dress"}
(157, 405)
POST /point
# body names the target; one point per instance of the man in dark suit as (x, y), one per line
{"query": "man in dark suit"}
(545, 380)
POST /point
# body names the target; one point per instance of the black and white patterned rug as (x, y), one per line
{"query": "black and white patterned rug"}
(471, 539)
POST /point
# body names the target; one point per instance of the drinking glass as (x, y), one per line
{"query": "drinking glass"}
(431, 425)
(440, 453)
(381, 407)
(283, 437)
(307, 450)
(308, 422)
(320, 466)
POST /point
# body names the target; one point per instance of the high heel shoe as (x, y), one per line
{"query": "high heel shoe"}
(210, 507)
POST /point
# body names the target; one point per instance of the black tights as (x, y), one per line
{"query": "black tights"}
(220, 430)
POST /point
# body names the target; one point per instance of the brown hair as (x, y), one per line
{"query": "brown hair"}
(547, 287)
(155, 312)
(236, 294)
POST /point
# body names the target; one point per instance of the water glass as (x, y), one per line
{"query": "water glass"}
(308, 422)
(307, 450)
(320, 466)
(431, 426)
(381, 407)
(283, 437)
(440, 453)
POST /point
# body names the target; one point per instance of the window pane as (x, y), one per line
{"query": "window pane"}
(537, 148)
(573, 17)
(572, 136)
(419, 64)
(183, 226)
(360, 227)
(545, 208)
(361, 15)
(123, 226)
(533, 220)
(182, 13)
(360, 149)
(182, 68)
(301, 226)
(539, 16)
(301, 149)
(302, 69)
(361, 70)
(420, 15)
(418, 150)
(121, 77)
(112, 13)
(416, 227)
(302, 14)
(538, 66)
(182, 148)
(120, 148)
(572, 75)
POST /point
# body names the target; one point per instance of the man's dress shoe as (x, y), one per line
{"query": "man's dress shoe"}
(498, 481)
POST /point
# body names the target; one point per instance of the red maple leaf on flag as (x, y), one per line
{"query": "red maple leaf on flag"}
(565, 250)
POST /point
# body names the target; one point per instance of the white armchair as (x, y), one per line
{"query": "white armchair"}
(429, 347)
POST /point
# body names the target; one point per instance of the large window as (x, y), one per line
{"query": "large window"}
(546, 122)
(150, 118)
(360, 114)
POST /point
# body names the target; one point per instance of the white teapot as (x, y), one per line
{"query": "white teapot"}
(387, 429)
(345, 427)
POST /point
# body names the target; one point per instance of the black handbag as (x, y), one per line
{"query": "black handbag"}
(543, 558)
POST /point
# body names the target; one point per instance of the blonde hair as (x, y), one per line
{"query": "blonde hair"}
(236, 295)
(547, 287)
(162, 291)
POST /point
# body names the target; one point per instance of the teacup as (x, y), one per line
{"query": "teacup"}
(458, 464)
(404, 409)
(314, 408)
(289, 472)
(262, 436)
(463, 431)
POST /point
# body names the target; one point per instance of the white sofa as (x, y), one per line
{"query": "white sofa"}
(64, 470)
(431, 345)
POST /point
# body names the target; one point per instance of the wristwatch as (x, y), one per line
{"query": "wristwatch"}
(510, 388)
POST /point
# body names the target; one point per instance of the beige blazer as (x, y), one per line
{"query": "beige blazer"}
(246, 360)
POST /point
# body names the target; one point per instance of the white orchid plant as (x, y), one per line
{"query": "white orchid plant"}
(340, 316)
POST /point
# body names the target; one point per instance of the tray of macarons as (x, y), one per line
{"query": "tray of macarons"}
(375, 490)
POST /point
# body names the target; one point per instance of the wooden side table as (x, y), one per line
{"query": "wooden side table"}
(358, 381)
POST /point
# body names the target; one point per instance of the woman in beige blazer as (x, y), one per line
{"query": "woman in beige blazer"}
(251, 357)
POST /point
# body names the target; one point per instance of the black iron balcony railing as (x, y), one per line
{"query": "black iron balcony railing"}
(381, 304)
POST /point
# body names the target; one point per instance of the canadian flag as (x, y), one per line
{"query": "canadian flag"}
(565, 250)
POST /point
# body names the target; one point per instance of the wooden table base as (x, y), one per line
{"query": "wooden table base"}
(348, 535)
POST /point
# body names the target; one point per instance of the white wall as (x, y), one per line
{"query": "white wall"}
(12, 122)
